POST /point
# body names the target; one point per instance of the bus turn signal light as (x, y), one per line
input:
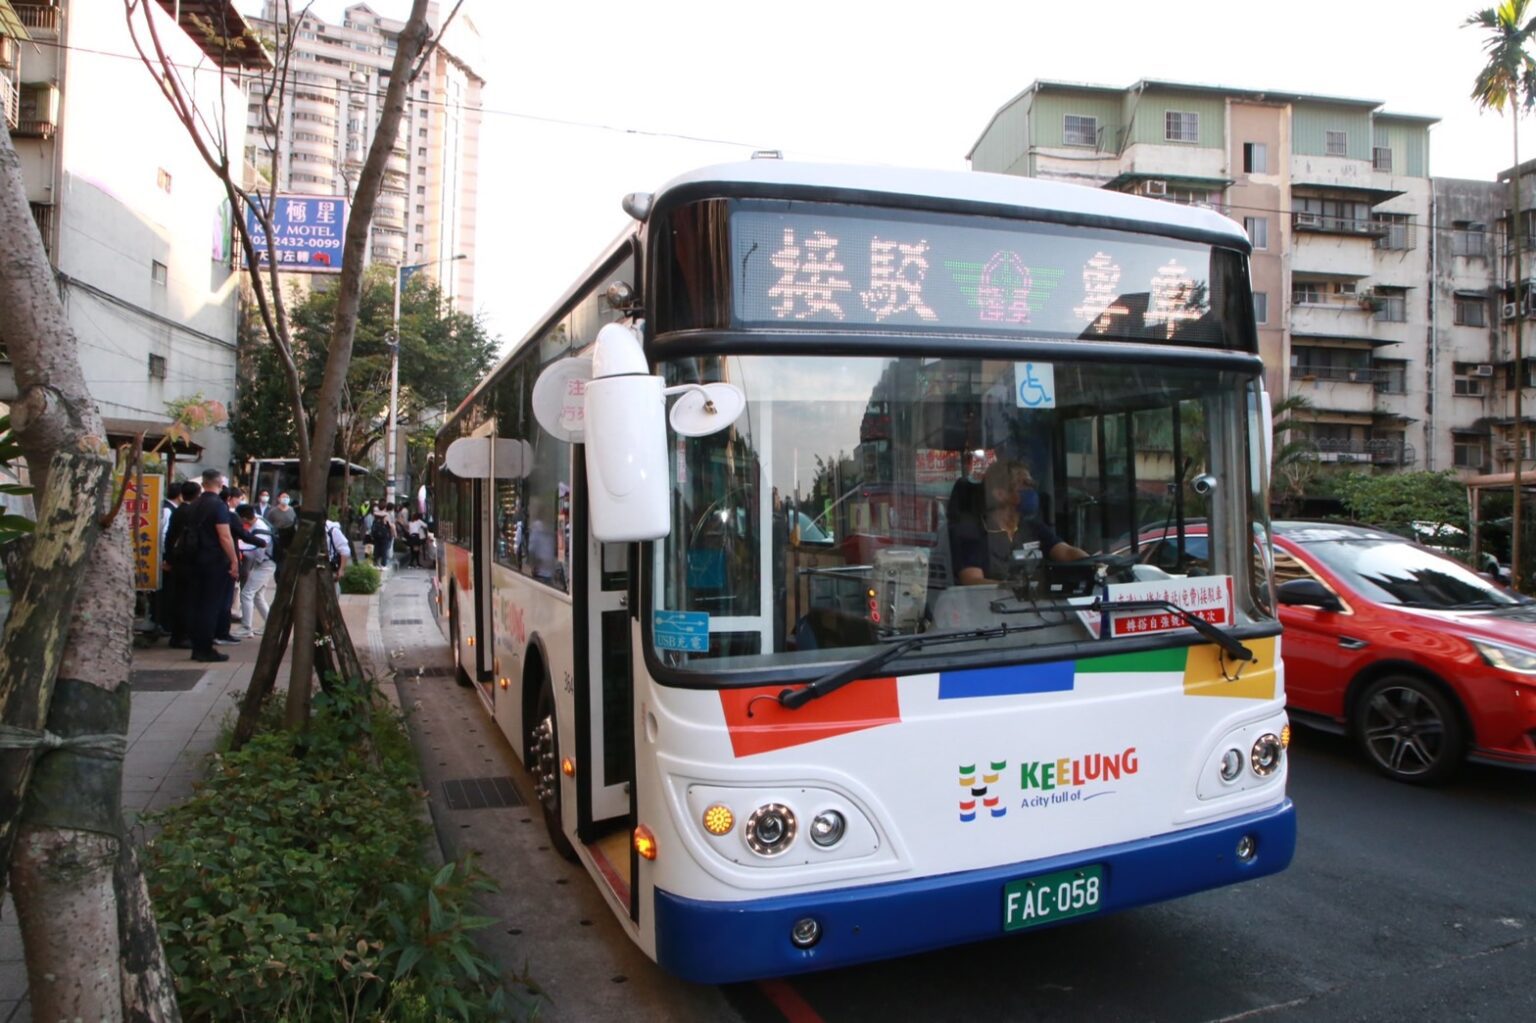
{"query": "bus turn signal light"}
(719, 820)
(1285, 737)
(645, 843)
(568, 767)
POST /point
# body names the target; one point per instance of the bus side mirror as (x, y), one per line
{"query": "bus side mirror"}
(614, 405)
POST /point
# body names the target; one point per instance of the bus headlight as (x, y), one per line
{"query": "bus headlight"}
(770, 829)
(1231, 764)
(1265, 757)
(827, 828)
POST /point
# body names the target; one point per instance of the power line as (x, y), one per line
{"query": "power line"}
(340, 87)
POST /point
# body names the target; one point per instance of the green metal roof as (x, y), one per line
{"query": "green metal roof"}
(10, 24)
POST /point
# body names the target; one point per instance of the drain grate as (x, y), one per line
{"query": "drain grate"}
(405, 621)
(164, 680)
(424, 671)
(481, 793)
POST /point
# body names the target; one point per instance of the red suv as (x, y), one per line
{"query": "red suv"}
(1422, 660)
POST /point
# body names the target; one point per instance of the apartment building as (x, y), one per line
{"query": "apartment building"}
(1336, 196)
(339, 74)
(133, 221)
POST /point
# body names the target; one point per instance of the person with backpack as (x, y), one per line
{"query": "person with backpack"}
(382, 535)
(337, 548)
(176, 570)
(257, 569)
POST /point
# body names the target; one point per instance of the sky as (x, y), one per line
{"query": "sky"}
(586, 102)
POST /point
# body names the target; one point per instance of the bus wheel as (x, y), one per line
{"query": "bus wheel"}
(544, 765)
(1409, 730)
(459, 674)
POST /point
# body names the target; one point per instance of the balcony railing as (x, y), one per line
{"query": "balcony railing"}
(41, 16)
(1340, 374)
(1379, 451)
(42, 215)
(1363, 227)
(34, 129)
(10, 103)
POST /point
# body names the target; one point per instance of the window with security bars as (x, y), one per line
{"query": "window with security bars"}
(1467, 454)
(1181, 126)
(1391, 305)
(1396, 228)
(1337, 143)
(1381, 158)
(1080, 131)
(1469, 238)
(1471, 311)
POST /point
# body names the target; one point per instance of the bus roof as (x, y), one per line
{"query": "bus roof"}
(976, 187)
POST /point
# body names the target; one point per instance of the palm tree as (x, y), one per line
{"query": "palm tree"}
(1293, 463)
(1508, 80)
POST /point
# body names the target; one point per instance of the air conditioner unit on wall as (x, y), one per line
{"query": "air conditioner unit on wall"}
(1309, 220)
(1509, 310)
(1156, 186)
(1482, 369)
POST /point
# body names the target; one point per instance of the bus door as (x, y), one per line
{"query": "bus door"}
(604, 715)
(480, 571)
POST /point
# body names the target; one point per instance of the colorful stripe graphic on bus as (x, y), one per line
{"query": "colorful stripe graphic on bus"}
(1013, 680)
(983, 793)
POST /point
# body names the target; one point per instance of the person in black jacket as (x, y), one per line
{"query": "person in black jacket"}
(176, 586)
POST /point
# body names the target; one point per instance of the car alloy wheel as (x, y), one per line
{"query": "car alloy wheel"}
(1409, 729)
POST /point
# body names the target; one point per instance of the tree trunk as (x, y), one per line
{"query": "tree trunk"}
(298, 567)
(70, 836)
(322, 442)
(38, 626)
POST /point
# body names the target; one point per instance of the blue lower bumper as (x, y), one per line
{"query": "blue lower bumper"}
(722, 942)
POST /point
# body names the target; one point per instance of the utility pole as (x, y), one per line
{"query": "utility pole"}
(390, 459)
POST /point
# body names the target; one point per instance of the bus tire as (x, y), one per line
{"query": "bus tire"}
(544, 765)
(459, 674)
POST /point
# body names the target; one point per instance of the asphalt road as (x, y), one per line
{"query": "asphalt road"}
(1401, 903)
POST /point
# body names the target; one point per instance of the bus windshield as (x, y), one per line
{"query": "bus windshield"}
(862, 499)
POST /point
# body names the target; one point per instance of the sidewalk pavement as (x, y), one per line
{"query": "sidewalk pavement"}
(179, 707)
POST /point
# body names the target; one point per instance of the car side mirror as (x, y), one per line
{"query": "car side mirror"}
(1307, 593)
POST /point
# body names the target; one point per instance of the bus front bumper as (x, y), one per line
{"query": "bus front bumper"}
(724, 942)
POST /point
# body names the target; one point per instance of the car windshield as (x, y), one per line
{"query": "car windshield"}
(861, 499)
(1398, 572)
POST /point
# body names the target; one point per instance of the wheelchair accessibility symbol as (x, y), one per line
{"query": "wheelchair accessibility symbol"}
(1036, 384)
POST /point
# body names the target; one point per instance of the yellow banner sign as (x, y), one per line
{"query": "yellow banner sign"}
(143, 514)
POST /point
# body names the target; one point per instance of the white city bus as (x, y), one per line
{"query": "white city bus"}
(800, 553)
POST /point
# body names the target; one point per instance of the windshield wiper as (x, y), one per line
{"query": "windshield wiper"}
(1233, 648)
(833, 681)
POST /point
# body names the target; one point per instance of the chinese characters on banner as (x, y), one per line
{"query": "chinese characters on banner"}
(143, 514)
(1207, 596)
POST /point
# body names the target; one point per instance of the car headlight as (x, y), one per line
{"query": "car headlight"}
(1510, 658)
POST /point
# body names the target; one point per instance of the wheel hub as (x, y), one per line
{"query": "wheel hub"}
(543, 764)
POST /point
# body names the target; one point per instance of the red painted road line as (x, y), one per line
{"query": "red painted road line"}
(789, 1001)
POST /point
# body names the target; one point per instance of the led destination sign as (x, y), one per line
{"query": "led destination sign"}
(851, 268)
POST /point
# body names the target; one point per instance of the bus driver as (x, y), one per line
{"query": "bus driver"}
(1011, 521)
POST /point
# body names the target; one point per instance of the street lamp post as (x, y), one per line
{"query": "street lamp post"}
(394, 376)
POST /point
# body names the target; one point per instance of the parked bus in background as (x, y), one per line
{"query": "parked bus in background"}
(706, 532)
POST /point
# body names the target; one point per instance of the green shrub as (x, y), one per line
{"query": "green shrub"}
(293, 886)
(360, 577)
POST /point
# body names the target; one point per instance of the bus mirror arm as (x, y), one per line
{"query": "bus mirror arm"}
(833, 681)
(1230, 645)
